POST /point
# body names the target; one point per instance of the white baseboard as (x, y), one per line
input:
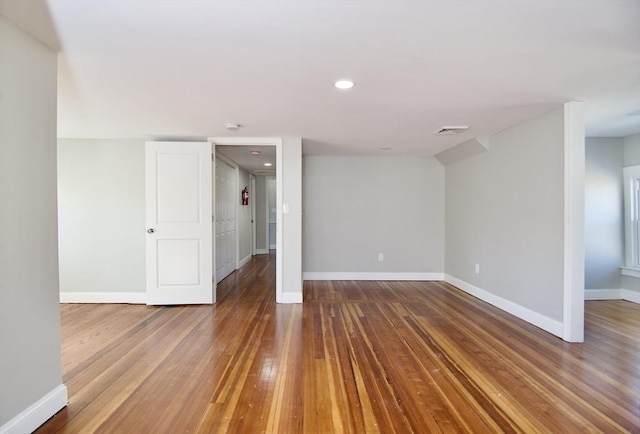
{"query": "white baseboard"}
(603, 294)
(612, 294)
(104, 297)
(320, 275)
(244, 261)
(272, 246)
(289, 298)
(545, 323)
(630, 295)
(262, 251)
(38, 413)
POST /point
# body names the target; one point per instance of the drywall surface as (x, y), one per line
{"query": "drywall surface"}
(244, 217)
(356, 208)
(632, 150)
(30, 366)
(261, 214)
(101, 215)
(291, 227)
(505, 213)
(604, 207)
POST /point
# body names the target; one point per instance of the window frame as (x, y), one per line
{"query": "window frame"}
(631, 179)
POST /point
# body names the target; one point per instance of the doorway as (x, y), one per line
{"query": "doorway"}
(273, 144)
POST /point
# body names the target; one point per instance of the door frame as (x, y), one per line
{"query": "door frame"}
(263, 141)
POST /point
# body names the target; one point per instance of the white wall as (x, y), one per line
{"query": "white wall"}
(31, 388)
(261, 215)
(290, 229)
(604, 219)
(244, 218)
(271, 210)
(358, 207)
(632, 150)
(101, 217)
(604, 225)
(504, 211)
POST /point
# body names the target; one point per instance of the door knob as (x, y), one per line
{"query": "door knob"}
(150, 230)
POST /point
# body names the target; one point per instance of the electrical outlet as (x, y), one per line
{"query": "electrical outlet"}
(477, 268)
(380, 256)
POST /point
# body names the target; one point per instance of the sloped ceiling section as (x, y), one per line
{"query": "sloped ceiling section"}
(466, 149)
(156, 69)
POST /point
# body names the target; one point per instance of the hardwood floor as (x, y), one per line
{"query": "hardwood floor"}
(356, 357)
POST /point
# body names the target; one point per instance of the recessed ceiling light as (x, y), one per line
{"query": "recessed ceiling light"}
(231, 126)
(255, 152)
(267, 164)
(344, 84)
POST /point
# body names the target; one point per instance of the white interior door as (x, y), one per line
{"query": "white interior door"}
(178, 218)
(225, 219)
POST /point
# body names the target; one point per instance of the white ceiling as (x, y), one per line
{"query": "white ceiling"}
(182, 69)
(242, 156)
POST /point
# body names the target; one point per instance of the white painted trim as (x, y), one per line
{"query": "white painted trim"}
(339, 275)
(574, 168)
(103, 297)
(289, 297)
(630, 295)
(37, 413)
(603, 294)
(629, 173)
(244, 261)
(631, 272)
(214, 273)
(279, 233)
(545, 323)
(262, 251)
(272, 246)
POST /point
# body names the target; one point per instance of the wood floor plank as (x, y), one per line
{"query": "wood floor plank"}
(356, 357)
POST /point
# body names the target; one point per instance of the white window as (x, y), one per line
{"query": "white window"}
(631, 177)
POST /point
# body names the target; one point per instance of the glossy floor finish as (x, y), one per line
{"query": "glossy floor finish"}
(356, 357)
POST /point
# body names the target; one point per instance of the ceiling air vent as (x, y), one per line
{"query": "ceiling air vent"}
(449, 131)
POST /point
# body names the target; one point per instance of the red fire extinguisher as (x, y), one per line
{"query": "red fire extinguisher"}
(245, 196)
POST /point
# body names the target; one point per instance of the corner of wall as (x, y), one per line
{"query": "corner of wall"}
(545, 323)
(38, 413)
